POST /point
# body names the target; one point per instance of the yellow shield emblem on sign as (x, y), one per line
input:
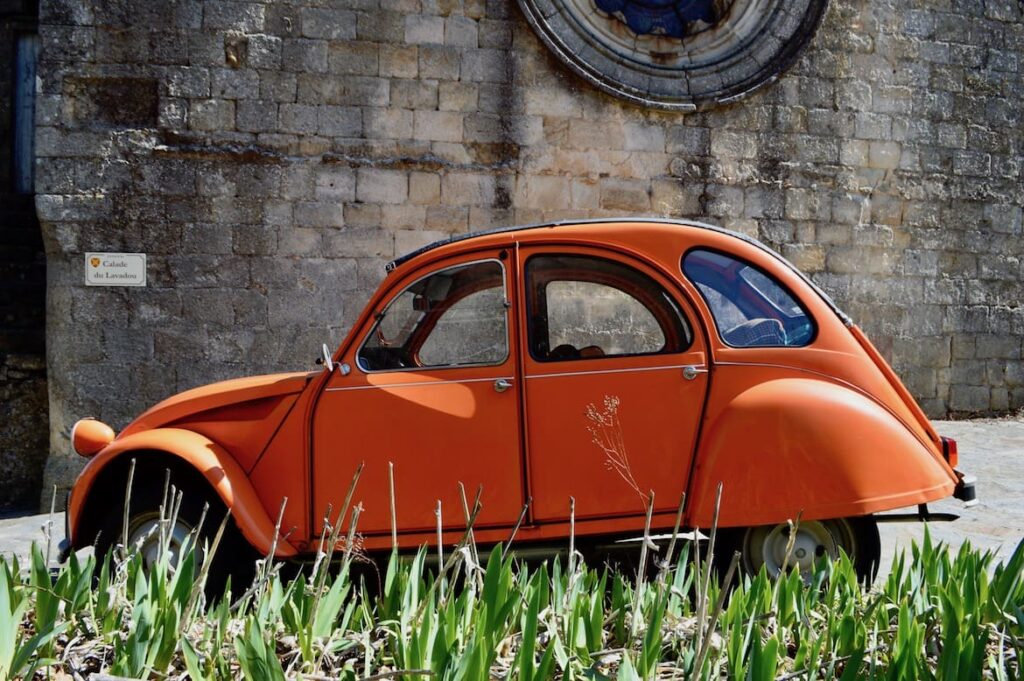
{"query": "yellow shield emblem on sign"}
(95, 262)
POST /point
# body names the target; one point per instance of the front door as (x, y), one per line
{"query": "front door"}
(432, 390)
(615, 378)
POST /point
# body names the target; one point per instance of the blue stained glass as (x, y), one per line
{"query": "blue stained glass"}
(671, 18)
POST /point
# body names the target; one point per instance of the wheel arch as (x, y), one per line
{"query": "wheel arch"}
(188, 455)
(812, 448)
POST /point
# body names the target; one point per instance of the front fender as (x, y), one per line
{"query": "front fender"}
(215, 464)
(805, 446)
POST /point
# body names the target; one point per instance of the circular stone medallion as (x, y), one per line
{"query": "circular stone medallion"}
(681, 55)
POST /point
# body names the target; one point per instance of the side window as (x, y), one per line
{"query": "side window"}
(751, 309)
(582, 307)
(453, 317)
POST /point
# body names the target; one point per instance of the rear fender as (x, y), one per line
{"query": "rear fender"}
(808, 447)
(207, 458)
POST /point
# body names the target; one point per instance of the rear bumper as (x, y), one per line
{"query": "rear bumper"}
(965, 488)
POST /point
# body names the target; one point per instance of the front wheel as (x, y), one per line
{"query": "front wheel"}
(766, 545)
(234, 557)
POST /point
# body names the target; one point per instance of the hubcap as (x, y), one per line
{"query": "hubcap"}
(767, 545)
(144, 536)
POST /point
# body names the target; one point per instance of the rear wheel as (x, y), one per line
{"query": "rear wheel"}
(766, 546)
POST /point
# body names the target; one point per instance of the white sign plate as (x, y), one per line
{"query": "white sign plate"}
(115, 269)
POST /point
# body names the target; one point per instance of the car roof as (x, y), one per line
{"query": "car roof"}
(456, 238)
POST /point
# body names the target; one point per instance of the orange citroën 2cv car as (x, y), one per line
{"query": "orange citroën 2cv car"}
(601, 361)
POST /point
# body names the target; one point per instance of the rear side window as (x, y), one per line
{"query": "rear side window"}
(751, 308)
(582, 307)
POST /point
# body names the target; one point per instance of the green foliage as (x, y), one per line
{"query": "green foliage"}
(939, 614)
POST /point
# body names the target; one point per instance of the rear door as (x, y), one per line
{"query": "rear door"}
(615, 378)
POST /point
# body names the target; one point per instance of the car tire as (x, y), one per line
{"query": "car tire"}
(765, 546)
(234, 558)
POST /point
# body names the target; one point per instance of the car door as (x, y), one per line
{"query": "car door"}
(615, 377)
(430, 388)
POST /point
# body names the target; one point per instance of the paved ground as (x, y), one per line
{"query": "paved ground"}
(992, 450)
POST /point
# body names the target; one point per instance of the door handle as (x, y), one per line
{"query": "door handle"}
(502, 384)
(690, 372)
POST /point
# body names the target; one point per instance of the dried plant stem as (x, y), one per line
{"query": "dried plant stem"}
(440, 541)
(49, 524)
(666, 563)
(572, 534)
(465, 513)
(450, 562)
(515, 528)
(635, 623)
(794, 528)
(705, 577)
(127, 509)
(204, 571)
(705, 645)
(391, 494)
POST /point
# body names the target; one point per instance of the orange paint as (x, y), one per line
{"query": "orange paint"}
(825, 430)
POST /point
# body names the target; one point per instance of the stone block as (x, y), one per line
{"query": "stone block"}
(969, 398)
(440, 126)
(278, 86)
(669, 197)
(339, 121)
(298, 118)
(885, 155)
(264, 51)
(382, 186)
(256, 116)
(625, 195)
(327, 23)
(461, 31)
(467, 189)
(388, 123)
(211, 114)
(399, 61)
(354, 58)
(439, 62)
(495, 33)
(643, 137)
(382, 26)
(456, 96)
(247, 17)
(191, 82)
(234, 84)
(424, 29)
(424, 188)
(805, 257)
(733, 144)
(319, 214)
(335, 183)
(304, 56)
(402, 216)
(414, 94)
(485, 65)
(873, 126)
(450, 219)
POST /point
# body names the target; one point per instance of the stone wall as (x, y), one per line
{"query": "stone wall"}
(269, 157)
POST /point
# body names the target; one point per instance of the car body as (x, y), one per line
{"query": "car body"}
(598, 361)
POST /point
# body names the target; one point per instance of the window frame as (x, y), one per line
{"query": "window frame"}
(687, 328)
(815, 327)
(440, 367)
